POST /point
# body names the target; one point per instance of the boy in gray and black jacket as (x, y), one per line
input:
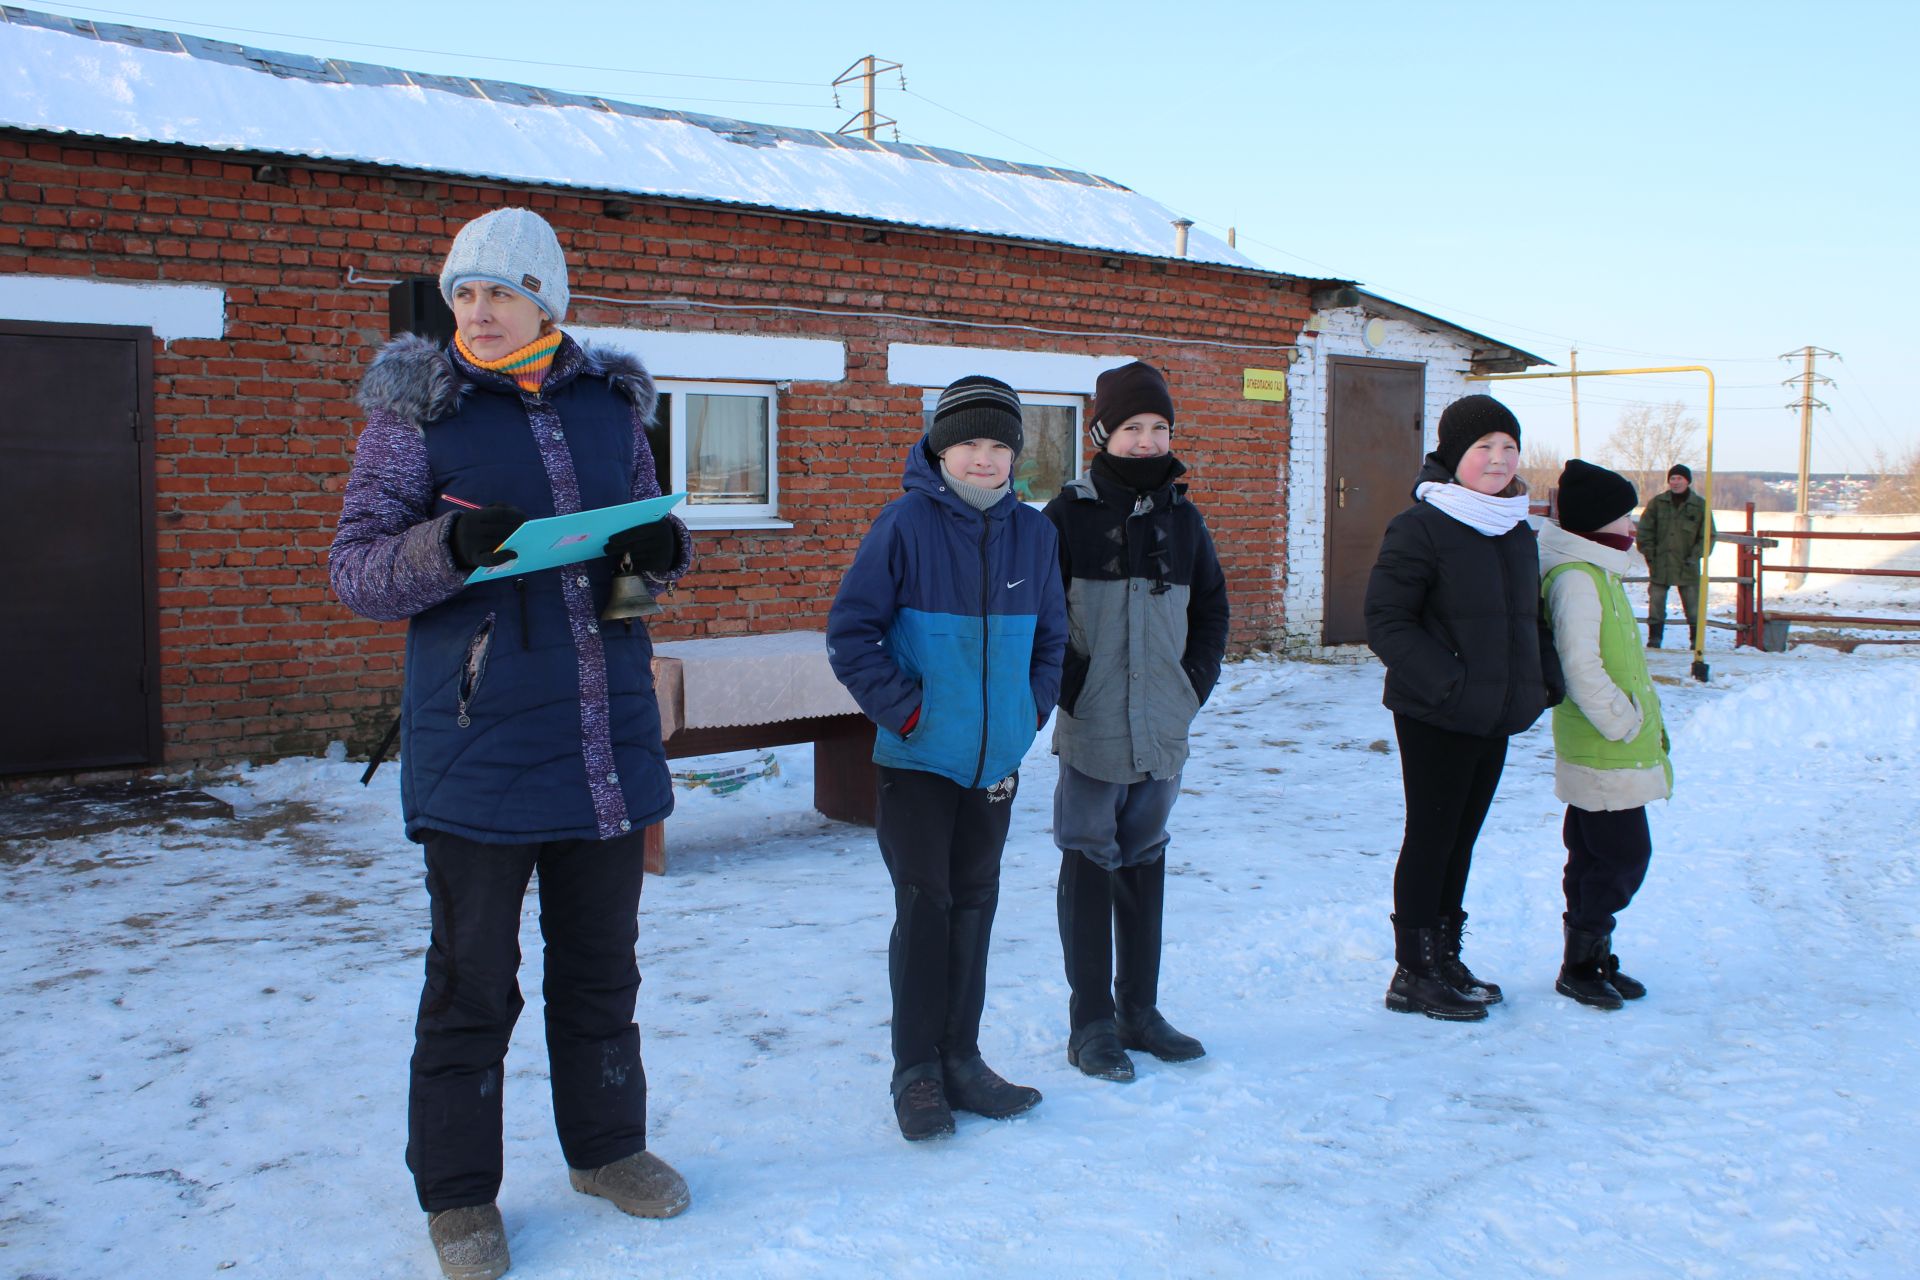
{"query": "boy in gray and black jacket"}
(1147, 627)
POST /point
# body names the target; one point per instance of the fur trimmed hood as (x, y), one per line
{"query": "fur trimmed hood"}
(628, 376)
(417, 379)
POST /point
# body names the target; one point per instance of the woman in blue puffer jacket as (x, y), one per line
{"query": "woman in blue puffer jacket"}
(530, 737)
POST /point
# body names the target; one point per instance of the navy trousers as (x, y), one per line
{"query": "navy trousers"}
(589, 904)
(1607, 857)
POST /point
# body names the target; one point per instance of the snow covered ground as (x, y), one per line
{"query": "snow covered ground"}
(208, 1025)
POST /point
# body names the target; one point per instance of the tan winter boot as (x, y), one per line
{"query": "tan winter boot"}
(471, 1243)
(641, 1184)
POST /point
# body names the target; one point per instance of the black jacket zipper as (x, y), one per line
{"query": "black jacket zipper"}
(1513, 654)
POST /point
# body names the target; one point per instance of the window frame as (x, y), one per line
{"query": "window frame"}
(720, 514)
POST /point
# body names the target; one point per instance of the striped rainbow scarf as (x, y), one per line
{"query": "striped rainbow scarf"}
(528, 366)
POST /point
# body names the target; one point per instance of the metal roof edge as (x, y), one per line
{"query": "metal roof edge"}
(1497, 351)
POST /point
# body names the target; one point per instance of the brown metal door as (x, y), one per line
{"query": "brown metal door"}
(78, 682)
(1374, 433)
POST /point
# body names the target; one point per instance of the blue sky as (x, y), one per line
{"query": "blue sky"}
(1660, 183)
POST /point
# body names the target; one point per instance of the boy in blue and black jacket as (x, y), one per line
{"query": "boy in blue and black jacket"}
(948, 630)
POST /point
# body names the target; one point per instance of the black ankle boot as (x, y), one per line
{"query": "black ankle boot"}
(1147, 1030)
(920, 1104)
(1629, 988)
(1095, 1049)
(974, 1086)
(1418, 986)
(1455, 971)
(1583, 974)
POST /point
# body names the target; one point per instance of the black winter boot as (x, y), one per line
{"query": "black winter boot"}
(1629, 988)
(1583, 974)
(1139, 907)
(1418, 986)
(1084, 900)
(1095, 1049)
(1147, 1030)
(920, 1104)
(1455, 971)
(974, 1086)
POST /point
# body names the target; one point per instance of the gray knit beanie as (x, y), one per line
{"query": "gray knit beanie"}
(513, 247)
(976, 407)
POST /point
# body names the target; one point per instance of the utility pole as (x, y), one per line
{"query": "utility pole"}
(868, 119)
(1806, 404)
(1573, 384)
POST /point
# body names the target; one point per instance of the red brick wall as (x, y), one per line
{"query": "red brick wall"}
(255, 430)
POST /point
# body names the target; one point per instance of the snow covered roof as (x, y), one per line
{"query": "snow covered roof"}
(72, 76)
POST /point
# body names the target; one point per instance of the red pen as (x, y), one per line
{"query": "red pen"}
(460, 502)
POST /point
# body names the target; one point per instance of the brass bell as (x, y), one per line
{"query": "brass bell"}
(630, 598)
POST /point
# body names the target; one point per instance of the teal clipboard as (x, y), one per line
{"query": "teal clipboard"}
(557, 540)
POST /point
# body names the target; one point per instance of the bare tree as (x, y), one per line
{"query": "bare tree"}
(1540, 467)
(1896, 485)
(1648, 440)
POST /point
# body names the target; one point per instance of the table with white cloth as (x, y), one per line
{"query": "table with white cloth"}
(737, 693)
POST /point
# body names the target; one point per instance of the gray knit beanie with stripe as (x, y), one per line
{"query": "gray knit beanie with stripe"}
(977, 407)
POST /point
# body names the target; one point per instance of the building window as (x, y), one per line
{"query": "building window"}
(717, 441)
(1052, 453)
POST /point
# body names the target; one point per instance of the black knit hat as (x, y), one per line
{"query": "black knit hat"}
(1591, 498)
(1465, 421)
(1120, 393)
(1679, 469)
(976, 407)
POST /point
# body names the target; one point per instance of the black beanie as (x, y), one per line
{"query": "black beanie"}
(1465, 421)
(1679, 469)
(976, 407)
(1591, 498)
(1120, 393)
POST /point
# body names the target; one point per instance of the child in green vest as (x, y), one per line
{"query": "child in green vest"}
(1609, 745)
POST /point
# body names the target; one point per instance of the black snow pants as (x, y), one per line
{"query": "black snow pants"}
(941, 843)
(589, 906)
(1449, 779)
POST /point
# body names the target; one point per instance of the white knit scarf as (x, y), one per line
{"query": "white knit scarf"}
(1490, 515)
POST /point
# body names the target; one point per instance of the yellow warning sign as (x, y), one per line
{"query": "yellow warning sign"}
(1263, 384)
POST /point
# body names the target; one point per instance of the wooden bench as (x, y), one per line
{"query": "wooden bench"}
(742, 693)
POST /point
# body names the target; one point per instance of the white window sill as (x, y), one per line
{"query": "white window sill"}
(718, 522)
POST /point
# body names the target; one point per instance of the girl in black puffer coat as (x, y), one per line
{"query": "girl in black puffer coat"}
(1453, 609)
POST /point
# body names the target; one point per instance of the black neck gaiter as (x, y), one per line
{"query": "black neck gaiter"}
(1135, 475)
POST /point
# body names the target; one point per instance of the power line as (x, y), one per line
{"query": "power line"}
(1885, 437)
(915, 93)
(624, 95)
(1335, 272)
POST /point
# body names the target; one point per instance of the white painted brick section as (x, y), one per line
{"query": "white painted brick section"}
(170, 310)
(1447, 360)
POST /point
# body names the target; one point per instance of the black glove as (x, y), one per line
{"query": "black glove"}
(653, 547)
(477, 534)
